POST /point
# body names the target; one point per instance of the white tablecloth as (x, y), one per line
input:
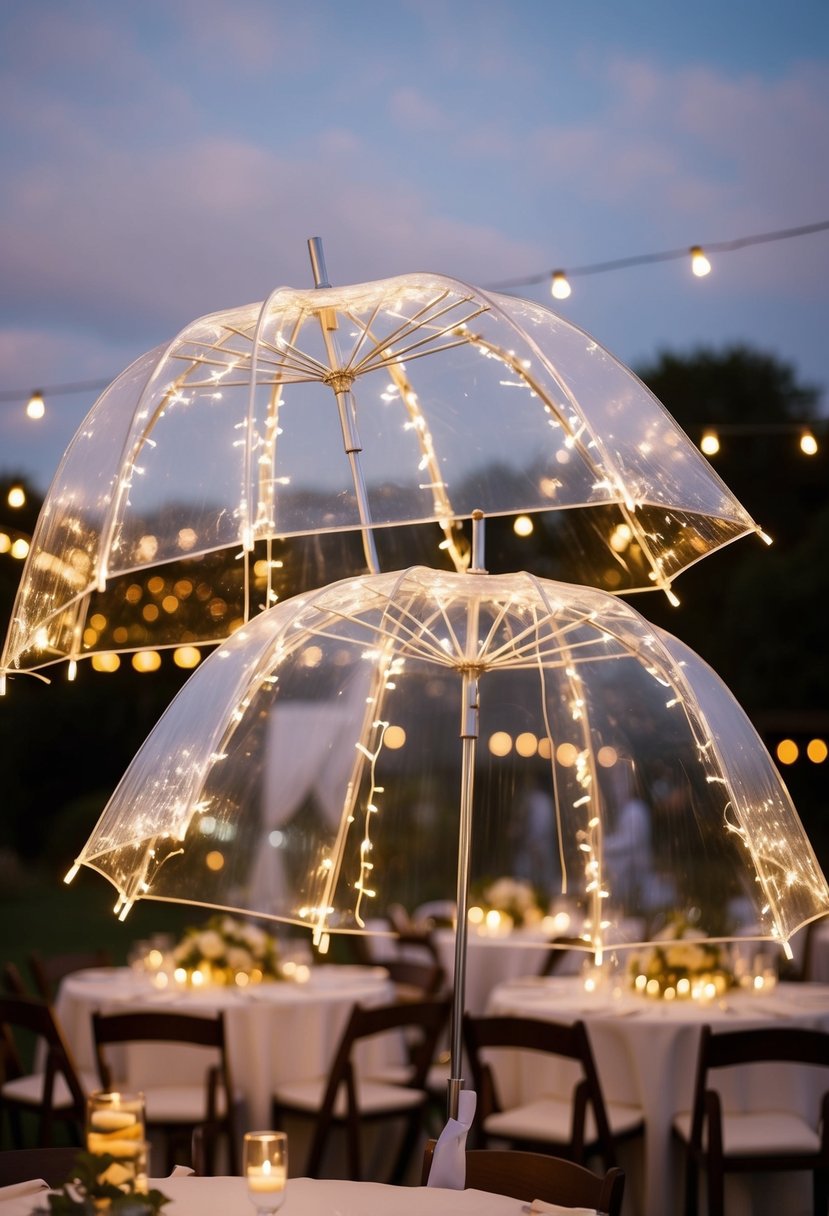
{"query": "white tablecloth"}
(309, 1197)
(276, 1032)
(492, 960)
(646, 1052)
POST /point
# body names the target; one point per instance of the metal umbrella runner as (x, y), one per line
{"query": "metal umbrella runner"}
(414, 660)
(274, 447)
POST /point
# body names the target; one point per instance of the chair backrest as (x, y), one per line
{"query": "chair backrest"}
(529, 1176)
(560, 948)
(423, 1019)
(772, 1044)
(565, 1039)
(13, 981)
(158, 1026)
(53, 1165)
(414, 980)
(48, 971)
(35, 1017)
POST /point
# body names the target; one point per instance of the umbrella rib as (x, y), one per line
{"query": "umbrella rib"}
(418, 321)
(405, 352)
(408, 324)
(366, 333)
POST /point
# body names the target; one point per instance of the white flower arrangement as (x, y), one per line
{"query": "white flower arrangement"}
(225, 949)
(513, 898)
(688, 964)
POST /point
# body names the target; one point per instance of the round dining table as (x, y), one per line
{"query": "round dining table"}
(645, 1051)
(190, 1196)
(492, 960)
(276, 1032)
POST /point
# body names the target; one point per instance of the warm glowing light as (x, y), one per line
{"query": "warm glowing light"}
(559, 287)
(16, 497)
(817, 750)
(186, 656)
(311, 656)
(214, 860)
(808, 444)
(475, 915)
(170, 603)
(500, 743)
(787, 751)
(146, 660)
(98, 621)
(526, 744)
(523, 526)
(566, 754)
(5, 542)
(710, 444)
(147, 548)
(620, 538)
(36, 407)
(106, 661)
(394, 737)
(150, 613)
(607, 756)
(187, 539)
(155, 585)
(20, 548)
(545, 748)
(700, 265)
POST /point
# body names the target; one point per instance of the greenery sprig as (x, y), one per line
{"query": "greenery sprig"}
(84, 1194)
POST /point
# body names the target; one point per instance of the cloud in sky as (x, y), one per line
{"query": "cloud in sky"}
(165, 161)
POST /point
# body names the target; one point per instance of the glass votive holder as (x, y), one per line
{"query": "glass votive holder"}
(265, 1163)
(116, 1127)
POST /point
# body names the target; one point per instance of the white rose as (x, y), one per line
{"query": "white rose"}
(239, 959)
(255, 938)
(210, 944)
(500, 893)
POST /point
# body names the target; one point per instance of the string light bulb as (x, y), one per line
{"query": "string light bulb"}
(808, 444)
(36, 406)
(560, 287)
(710, 443)
(700, 266)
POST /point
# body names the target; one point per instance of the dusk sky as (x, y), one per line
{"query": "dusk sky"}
(163, 159)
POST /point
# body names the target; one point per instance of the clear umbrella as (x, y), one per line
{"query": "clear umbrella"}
(281, 445)
(373, 743)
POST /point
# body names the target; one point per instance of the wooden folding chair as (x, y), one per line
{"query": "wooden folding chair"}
(574, 1127)
(414, 981)
(350, 1099)
(528, 1176)
(13, 981)
(55, 1094)
(176, 1109)
(759, 1139)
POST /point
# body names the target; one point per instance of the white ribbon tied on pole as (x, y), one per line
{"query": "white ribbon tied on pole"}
(449, 1159)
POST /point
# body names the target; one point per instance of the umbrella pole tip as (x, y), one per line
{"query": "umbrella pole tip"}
(317, 262)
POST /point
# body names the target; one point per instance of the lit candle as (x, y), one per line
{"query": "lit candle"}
(266, 1178)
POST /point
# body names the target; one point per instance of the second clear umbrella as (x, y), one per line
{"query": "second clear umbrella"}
(374, 743)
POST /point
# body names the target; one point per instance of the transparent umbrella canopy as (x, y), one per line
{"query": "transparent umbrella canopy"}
(367, 743)
(345, 751)
(274, 447)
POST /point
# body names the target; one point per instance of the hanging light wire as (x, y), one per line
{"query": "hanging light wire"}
(665, 255)
(559, 278)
